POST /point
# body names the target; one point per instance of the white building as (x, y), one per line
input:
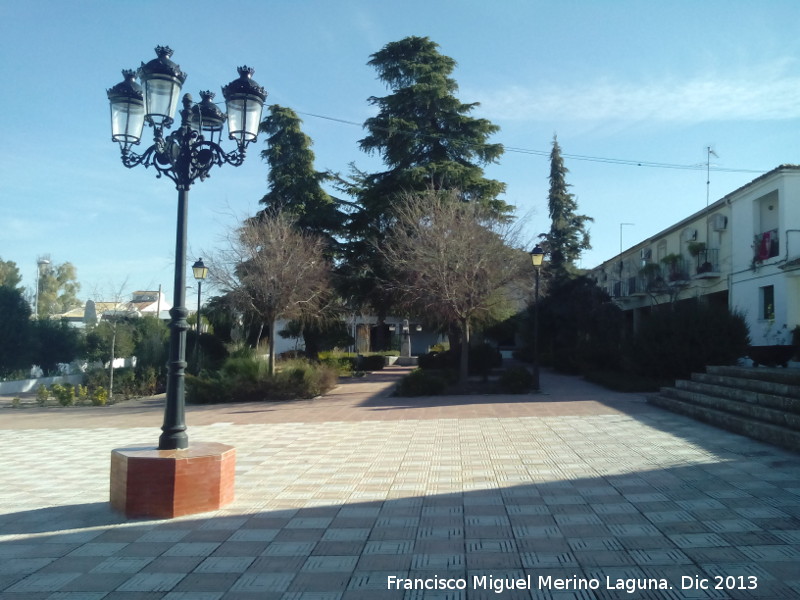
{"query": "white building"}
(742, 251)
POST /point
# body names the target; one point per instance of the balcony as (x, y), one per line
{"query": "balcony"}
(707, 264)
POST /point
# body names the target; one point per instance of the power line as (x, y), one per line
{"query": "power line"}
(583, 157)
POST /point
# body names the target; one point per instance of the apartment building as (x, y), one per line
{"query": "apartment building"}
(742, 251)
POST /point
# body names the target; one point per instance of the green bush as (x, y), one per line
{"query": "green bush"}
(371, 362)
(684, 338)
(300, 379)
(342, 363)
(95, 378)
(81, 394)
(482, 359)
(516, 380)
(245, 368)
(246, 380)
(125, 383)
(209, 388)
(422, 383)
(99, 396)
(42, 395)
(64, 394)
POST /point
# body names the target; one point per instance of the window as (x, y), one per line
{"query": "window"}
(767, 302)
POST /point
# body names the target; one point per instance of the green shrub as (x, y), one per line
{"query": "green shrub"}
(342, 363)
(147, 381)
(482, 359)
(99, 396)
(65, 394)
(95, 378)
(42, 395)
(246, 368)
(300, 379)
(434, 361)
(684, 338)
(371, 362)
(246, 380)
(125, 383)
(81, 394)
(421, 383)
(209, 388)
(516, 380)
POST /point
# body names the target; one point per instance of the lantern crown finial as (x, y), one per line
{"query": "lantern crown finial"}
(128, 88)
(164, 51)
(244, 85)
(162, 65)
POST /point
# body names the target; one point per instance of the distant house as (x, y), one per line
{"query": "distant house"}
(742, 251)
(142, 303)
(149, 303)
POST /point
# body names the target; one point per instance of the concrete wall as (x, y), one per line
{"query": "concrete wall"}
(20, 386)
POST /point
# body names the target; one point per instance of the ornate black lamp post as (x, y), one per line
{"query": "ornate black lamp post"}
(537, 257)
(185, 155)
(200, 271)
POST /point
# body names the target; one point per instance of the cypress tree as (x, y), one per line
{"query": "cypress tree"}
(568, 236)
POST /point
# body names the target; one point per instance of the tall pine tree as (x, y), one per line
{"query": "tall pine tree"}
(568, 236)
(427, 139)
(423, 132)
(294, 185)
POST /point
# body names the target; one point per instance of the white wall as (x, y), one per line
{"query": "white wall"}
(771, 203)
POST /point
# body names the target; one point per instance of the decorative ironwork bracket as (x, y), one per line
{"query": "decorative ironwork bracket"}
(184, 156)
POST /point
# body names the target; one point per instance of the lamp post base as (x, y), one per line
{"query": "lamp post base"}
(162, 484)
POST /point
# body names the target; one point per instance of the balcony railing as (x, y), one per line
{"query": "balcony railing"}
(707, 263)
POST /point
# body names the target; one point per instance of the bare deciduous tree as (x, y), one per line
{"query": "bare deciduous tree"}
(453, 261)
(276, 271)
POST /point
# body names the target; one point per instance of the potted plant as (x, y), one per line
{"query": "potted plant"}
(698, 251)
(651, 274)
(672, 262)
(696, 248)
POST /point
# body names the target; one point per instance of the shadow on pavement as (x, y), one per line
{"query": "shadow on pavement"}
(701, 520)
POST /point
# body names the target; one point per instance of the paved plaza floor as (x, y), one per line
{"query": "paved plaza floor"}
(573, 493)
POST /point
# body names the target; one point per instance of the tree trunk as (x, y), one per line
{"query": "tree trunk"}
(258, 337)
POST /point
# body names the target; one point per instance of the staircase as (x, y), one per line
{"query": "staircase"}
(761, 403)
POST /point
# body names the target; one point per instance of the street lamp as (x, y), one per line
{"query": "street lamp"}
(185, 155)
(200, 272)
(537, 257)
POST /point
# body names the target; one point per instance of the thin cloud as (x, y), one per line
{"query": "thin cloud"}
(762, 95)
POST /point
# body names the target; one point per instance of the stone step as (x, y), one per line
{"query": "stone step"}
(745, 409)
(789, 376)
(710, 386)
(758, 430)
(761, 386)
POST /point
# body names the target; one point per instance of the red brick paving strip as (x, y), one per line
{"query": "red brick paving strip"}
(356, 399)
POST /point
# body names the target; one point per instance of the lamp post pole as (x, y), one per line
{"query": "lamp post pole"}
(537, 257)
(185, 155)
(40, 262)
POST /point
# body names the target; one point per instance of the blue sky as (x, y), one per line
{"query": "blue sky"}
(642, 81)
